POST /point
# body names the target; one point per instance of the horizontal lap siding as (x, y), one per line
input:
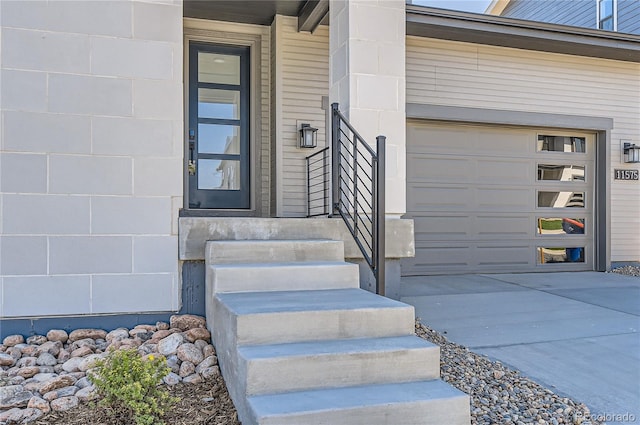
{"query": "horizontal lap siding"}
(580, 13)
(467, 75)
(629, 16)
(305, 80)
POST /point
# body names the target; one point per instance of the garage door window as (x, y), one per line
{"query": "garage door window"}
(561, 173)
(565, 144)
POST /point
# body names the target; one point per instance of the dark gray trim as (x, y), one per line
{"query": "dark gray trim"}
(503, 117)
(259, 12)
(602, 208)
(508, 32)
(601, 125)
(311, 14)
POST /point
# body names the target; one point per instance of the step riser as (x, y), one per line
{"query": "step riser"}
(221, 278)
(233, 252)
(278, 328)
(339, 370)
(452, 411)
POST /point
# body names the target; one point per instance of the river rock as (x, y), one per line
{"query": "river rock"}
(89, 362)
(7, 360)
(39, 403)
(185, 322)
(61, 392)
(27, 362)
(23, 416)
(192, 379)
(170, 344)
(20, 399)
(28, 371)
(46, 359)
(189, 353)
(162, 326)
(207, 362)
(117, 335)
(51, 347)
(195, 334)
(171, 379)
(58, 335)
(55, 383)
(87, 393)
(186, 369)
(210, 372)
(13, 340)
(36, 340)
(72, 365)
(64, 403)
(87, 333)
(82, 351)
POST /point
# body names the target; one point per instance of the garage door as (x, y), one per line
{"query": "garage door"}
(490, 199)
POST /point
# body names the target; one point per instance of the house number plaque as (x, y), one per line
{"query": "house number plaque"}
(626, 174)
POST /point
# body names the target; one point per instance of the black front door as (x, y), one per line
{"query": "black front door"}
(218, 127)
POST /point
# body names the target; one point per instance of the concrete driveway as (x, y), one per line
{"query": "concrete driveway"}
(575, 333)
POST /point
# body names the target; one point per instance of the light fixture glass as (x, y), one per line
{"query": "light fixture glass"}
(308, 136)
(631, 152)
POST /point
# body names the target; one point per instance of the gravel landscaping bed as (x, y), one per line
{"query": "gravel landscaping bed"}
(627, 270)
(42, 379)
(500, 395)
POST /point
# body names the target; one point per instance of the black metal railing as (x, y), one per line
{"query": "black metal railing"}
(318, 183)
(358, 191)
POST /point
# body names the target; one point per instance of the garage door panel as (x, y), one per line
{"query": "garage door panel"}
(449, 198)
(424, 168)
(440, 227)
(497, 198)
(465, 227)
(501, 227)
(503, 171)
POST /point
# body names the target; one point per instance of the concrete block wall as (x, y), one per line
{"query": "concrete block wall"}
(91, 155)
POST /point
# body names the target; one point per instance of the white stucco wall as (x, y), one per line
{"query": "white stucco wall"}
(90, 156)
(471, 75)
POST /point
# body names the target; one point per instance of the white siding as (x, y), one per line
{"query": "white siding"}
(302, 81)
(468, 75)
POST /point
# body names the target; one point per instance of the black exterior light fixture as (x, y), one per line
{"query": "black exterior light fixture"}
(308, 136)
(631, 152)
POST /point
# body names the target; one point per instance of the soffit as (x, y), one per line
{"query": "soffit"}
(260, 12)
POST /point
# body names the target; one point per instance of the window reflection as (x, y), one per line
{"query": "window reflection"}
(561, 144)
(219, 139)
(560, 199)
(221, 104)
(220, 174)
(219, 69)
(560, 255)
(560, 226)
(563, 173)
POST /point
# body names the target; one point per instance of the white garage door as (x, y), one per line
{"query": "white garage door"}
(490, 199)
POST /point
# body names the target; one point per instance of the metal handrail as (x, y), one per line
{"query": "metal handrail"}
(318, 175)
(358, 191)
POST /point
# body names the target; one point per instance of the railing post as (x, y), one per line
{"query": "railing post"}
(379, 215)
(335, 155)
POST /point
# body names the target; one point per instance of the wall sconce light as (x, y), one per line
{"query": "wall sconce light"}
(631, 152)
(308, 136)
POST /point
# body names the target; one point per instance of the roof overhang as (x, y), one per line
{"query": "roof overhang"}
(310, 13)
(507, 32)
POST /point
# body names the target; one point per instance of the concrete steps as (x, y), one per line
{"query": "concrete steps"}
(299, 343)
(337, 363)
(283, 276)
(424, 402)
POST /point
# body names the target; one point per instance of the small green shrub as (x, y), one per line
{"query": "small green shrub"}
(129, 384)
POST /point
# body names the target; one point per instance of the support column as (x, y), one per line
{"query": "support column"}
(367, 79)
